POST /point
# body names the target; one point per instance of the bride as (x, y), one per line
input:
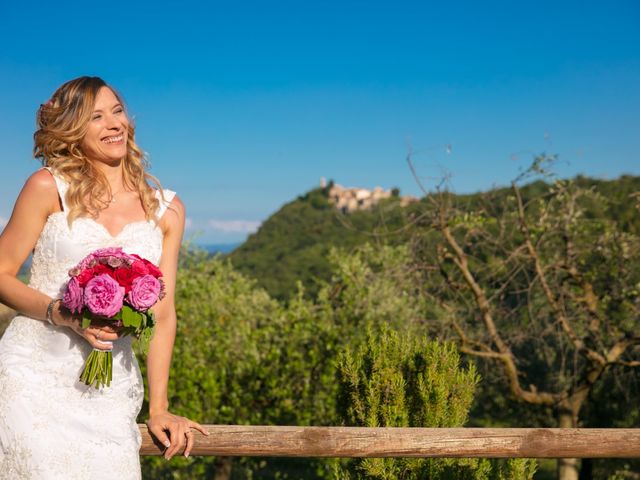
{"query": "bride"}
(92, 192)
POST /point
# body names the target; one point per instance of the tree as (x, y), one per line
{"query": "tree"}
(540, 285)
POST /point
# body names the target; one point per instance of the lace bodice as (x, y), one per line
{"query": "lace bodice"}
(60, 247)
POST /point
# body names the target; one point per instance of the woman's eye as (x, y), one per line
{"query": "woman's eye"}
(96, 117)
(119, 110)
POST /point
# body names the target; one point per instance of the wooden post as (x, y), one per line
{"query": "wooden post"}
(276, 441)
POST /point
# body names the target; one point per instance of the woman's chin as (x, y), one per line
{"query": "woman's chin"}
(110, 160)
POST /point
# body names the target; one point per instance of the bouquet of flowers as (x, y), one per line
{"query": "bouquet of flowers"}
(111, 285)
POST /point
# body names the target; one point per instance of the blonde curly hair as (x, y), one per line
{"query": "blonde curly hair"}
(62, 124)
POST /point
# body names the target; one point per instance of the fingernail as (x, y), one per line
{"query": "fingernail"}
(167, 444)
(186, 455)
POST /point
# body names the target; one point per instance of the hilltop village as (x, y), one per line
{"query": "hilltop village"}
(349, 199)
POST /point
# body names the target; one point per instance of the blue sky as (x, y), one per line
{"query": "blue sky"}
(244, 105)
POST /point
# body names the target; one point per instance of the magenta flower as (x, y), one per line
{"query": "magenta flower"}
(145, 291)
(72, 298)
(87, 262)
(103, 296)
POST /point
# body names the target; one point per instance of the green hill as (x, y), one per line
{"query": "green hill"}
(293, 243)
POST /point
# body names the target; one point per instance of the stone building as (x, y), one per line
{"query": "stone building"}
(349, 199)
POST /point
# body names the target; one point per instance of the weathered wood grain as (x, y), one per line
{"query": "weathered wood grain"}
(277, 441)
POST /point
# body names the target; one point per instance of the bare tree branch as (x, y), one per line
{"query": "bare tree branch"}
(504, 353)
(562, 319)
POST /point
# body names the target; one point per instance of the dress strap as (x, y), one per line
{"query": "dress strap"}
(168, 197)
(62, 188)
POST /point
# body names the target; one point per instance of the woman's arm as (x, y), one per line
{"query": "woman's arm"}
(161, 347)
(160, 420)
(35, 203)
(37, 200)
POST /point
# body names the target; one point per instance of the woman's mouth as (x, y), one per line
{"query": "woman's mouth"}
(114, 139)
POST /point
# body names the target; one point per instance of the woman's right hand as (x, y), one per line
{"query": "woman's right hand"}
(100, 335)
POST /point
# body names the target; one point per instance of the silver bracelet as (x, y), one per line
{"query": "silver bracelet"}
(50, 311)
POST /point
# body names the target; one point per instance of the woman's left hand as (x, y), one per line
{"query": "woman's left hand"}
(174, 432)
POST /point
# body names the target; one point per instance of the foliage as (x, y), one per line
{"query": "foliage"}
(403, 380)
(411, 288)
(372, 286)
(293, 244)
(241, 358)
(585, 234)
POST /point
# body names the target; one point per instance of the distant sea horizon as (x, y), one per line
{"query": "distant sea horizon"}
(214, 248)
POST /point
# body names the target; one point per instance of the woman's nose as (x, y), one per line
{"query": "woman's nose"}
(113, 122)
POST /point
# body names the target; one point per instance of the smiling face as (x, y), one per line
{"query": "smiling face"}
(107, 133)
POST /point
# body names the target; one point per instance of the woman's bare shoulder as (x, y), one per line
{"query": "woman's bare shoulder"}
(41, 178)
(174, 217)
(41, 190)
(178, 207)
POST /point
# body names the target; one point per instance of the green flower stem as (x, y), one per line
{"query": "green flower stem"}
(98, 369)
(110, 369)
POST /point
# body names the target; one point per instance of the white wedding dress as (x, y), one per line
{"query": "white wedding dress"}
(51, 425)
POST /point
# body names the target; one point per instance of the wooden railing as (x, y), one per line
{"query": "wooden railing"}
(272, 441)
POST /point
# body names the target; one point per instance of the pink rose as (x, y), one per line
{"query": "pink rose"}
(144, 292)
(83, 265)
(103, 296)
(72, 298)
